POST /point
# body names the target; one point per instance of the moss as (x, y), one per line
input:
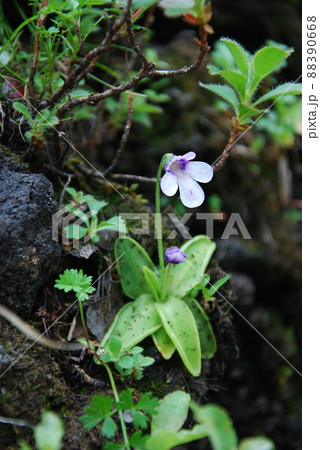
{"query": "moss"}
(32, 385)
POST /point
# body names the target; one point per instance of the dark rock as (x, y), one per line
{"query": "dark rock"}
(27, 252)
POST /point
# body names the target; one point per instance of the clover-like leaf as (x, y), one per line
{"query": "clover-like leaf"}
(109, 428)
(74, 280)
(100, 408)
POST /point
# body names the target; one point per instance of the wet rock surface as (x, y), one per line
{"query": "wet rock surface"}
(27, 252)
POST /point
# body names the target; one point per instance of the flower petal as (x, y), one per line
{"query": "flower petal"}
(191, 193)
(169, 184)
(199, 171)
(171, 161)
(188, 156)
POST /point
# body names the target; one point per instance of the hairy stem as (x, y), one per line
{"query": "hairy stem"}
(40, 21)
(226, 152)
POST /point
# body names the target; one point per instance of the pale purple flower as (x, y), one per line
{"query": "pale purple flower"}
(183, 173)
(174, 255)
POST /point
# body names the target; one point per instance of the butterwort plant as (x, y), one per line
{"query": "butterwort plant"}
(163, 302)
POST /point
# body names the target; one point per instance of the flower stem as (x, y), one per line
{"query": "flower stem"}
(165, 283)
(116, 397)
(83, 323)
(158, 222)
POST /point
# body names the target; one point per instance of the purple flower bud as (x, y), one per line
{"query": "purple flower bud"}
(174, 255)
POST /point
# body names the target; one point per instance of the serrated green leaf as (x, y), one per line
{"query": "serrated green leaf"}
(137, 440)
(171, 413)
(264, 62)
(131, 258)
(102, 404)
(163, 343)
(179, 323)
(75, 280)
(218, 425)
(236, 79)
(134, 322)
(126, 362)
(115, 345)
(140, 420)
(126, 401)
(109, 428)
(280, 91)
(240, 55)
(246, 113)
(185, 276)
(225, 92)
(90, 421)
(148, 403)
(100, 408)
(21, 108)
(207, 338)
(146, 361)
(256, 443)
(136, 349)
